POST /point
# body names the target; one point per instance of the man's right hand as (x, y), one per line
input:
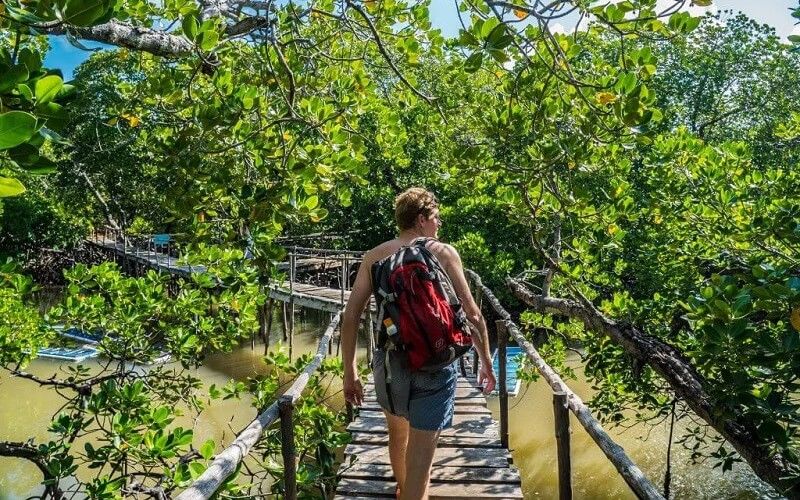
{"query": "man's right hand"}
(353, 390)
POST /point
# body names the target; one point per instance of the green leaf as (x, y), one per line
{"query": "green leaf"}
(10, 187)
(207, 449)
(312, 202)
(16, 127)
(190, 26)
(54, 113)
(196, 468)
(473, 62)
(14, 75)
(467, 39)
(47, 88)
(32, 60)
(208, 39)
(84, 12)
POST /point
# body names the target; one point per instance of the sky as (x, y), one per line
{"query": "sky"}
(776, 13)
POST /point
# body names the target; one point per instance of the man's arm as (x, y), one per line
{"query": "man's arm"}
(451, 261)
(359, 297)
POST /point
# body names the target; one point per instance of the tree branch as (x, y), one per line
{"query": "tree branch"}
(682, 377)
(382, 49)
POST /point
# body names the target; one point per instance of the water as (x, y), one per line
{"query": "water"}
(533, 444)
(27, 410)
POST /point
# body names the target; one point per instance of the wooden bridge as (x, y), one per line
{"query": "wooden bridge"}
(472, 459)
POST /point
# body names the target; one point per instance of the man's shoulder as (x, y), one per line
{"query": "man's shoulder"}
(442, 251)
(379, 252)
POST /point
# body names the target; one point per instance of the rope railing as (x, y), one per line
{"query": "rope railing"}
(226, 462)
(563, 397)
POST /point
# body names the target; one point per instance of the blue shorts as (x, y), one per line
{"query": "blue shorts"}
(425, 398)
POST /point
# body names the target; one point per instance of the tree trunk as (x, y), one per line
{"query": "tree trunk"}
(684, 379)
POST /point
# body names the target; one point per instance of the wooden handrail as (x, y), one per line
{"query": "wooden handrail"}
(629, 471)
(225, 462)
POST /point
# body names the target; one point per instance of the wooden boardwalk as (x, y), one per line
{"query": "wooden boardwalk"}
(470, 461)
(311, 296)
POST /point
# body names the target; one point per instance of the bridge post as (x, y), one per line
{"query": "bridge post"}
(292, 264)
(502, 342)
(267, 310)
(286, 409)
(124, 253)
(561, 412)
(343, 281)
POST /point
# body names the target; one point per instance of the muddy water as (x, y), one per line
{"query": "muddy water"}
(26, 410)
(532, 439)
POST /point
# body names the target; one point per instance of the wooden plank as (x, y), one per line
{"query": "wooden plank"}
(487, 475)
(376, 411)
(462, 421)
(461, 392)
(489, 433)
(473, 426)
(351, 487)
(461, 383)
(369, 399)
(450, 457)
(382, 438)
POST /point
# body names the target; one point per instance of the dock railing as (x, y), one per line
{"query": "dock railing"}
(564, 401)
(226, 462)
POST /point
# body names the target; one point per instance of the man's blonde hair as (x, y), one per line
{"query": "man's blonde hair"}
(412, 202)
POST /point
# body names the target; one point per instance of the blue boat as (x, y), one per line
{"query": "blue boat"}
(79, 335)
(512, 382)
(86, 339)
(67, 354)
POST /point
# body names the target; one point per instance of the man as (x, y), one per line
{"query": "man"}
(432, 394)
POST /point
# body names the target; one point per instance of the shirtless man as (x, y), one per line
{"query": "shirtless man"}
(432, 394)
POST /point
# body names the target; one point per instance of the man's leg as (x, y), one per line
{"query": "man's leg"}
(418, 463)
(398, 443)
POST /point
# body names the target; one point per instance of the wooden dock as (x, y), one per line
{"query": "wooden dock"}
(311, 296)
(469, 462)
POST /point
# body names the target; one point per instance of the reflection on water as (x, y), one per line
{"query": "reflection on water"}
(531, 432)
(532, 439)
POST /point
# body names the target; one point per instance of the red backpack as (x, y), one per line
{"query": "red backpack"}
(418, 310)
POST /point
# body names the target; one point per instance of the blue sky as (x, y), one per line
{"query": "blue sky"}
(443, 15)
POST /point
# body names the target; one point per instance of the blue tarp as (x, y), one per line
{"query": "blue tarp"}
(512, 353)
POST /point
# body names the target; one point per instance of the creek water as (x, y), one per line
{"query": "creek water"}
(26, 410)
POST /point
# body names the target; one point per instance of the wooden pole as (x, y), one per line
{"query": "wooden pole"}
(474, 361)
(285, 323)
(270, 306)
(286, 409)
(342, 283)
(561, 412)
(502, 341)
(349, 412)
(292, 262)
(124, 253)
